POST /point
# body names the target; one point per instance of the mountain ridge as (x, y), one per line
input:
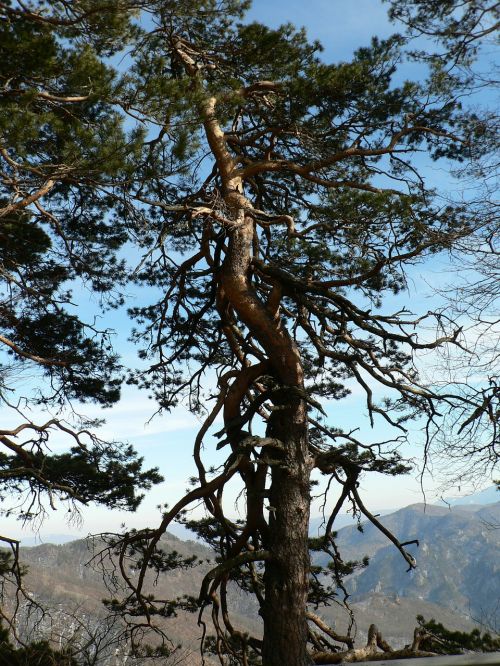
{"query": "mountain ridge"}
(457, 578)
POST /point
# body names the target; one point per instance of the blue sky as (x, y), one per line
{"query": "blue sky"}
(341, 26)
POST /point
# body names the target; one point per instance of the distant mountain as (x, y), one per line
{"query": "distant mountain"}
(488, 496)
(457, 562)
(394, 616)
(318, 523)
(457, 578)
(41, 538)
(61, 579)
(47, 538)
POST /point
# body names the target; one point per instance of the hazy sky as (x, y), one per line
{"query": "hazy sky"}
(166, 441)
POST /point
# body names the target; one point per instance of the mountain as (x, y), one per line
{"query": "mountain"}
(457, 562)
(38, 540)
(63, 579)
(318, 523)
(457, 579)
(487, 496)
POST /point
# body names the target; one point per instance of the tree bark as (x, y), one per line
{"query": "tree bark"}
(286, 574)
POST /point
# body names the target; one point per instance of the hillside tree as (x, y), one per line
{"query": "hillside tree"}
(275, 200)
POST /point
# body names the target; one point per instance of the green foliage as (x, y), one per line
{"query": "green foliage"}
(6, 562)
(232, 647)
(58, 126)
(443, 641)
(108, 475)
(458, 26)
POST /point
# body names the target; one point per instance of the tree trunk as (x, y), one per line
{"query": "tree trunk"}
(287, 572)
(286, 575)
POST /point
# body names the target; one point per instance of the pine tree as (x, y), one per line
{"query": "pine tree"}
(59, 145)
(276, 201)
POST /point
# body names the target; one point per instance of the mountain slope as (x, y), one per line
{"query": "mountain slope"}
(61, 579)
(458, 563)
(457, 577)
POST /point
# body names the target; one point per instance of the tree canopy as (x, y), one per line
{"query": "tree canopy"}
(271, 202)
(63, 148)
(461, 27)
